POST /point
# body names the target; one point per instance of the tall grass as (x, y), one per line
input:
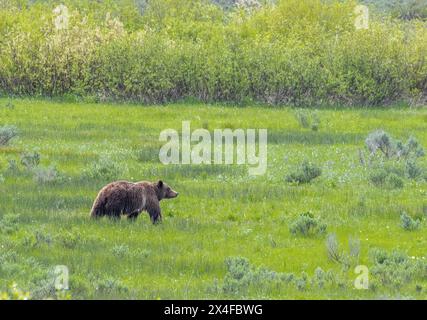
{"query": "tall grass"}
(221, 211)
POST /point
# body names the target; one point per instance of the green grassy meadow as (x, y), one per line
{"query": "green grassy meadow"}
(221, 211)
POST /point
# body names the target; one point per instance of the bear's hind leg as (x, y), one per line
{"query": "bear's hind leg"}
(115, 215)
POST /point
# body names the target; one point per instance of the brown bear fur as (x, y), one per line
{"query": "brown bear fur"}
(128, 198)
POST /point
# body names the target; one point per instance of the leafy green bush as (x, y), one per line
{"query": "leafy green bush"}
(308, 119)
(412, 170)
(30, 165)
(120, 251)
(69, 239)
(381, 141)
(394, 181)
(307, 225)
(12, 167)
(7, 133)
(403, 9)
(305, 173)
(387, 177)
(408, 223)
(9, 105)
(241, 275)
(30, 160)
(289, 52)
(391, 160)
(105, 169)
(110, 285)
(46, 175)
(333, 248)
(9, 223)
(378, 177)
(242, 278)
(336, 254)
(395, 268)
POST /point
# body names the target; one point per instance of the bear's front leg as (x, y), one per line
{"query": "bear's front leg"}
(134, 215)
(155, 214)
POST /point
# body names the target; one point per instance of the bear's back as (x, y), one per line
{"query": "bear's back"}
(124, 195)
(116, 187)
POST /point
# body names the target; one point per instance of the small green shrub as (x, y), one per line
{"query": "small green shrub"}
(378, 177)
(402, 9)
(30, 160)
(361, 208)
(105, 169)
(354, 249)
(303, 118)
(7, 133)
(241, 276)
(382, 142)
(9, 223)
(387, 176)
(308, 119)
(338, 255)
(37, 238)
(120, 251)
(412, 170)
(46, 175)
(42, 237)
(12, 167)
(333, 248)
(307, 225)
(408, 223)
(302, 282)
(110, 285)
(412, 148)
(393, 181)
(9, 105)
(30, 165)
(79, 285)
(319, 278)
(141, 254)
(69, 240)
(395, 268)
(305, 173)
(45, 287)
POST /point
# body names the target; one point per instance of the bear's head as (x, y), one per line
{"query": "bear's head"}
(164, 191)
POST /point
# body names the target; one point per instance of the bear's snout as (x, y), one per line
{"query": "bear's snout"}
(172, 194)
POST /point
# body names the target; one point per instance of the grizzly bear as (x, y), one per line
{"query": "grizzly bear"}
(128, 198)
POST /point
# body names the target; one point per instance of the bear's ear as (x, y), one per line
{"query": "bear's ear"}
(160, 184)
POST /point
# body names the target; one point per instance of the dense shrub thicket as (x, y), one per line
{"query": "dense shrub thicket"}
(291, 52)
(403, 9)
